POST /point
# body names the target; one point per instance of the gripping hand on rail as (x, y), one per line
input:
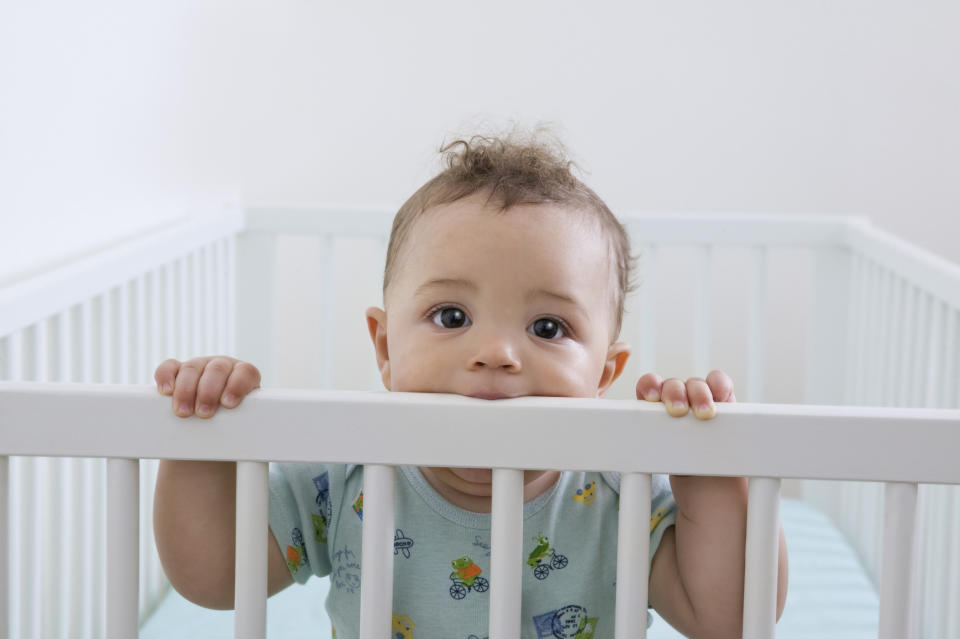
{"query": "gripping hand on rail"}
(679, 396)
(696, 577)
(201, 384)
(194, 507)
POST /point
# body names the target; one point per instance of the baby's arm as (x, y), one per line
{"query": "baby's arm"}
(696, 578)
(194, 506)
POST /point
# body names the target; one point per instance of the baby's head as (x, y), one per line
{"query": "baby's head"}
(505, 276)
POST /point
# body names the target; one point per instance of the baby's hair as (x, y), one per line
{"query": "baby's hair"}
(514, 169)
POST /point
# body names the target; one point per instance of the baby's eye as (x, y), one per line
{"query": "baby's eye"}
(547, 328)
(450, 317)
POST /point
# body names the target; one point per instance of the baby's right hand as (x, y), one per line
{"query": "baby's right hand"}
(202, 383)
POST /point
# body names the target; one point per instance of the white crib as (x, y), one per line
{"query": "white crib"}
(878, 347)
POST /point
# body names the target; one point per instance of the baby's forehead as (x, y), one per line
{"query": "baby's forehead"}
(582, 249)
(450, 215)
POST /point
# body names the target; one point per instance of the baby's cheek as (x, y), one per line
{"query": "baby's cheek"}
(574, 380)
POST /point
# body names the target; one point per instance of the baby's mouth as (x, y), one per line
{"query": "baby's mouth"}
(489, 395)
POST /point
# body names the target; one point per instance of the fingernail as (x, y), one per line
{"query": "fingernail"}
(705, 410)
(185, 409)
(229, 400)
(204, 410)
(165, 388)
(679, 407)
(653, 396)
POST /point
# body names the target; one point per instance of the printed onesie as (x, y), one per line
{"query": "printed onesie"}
(442, 552)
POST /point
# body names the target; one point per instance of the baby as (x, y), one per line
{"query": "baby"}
(505, 276)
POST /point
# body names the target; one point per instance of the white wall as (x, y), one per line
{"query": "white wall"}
(115, 117)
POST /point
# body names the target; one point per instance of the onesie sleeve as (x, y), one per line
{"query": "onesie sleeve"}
(663, 511)
(300, 508)
(663, 508)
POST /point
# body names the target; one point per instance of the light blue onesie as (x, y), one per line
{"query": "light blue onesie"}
(442, 552)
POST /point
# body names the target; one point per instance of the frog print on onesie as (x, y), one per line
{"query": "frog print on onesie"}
(466, 577)
(543, 558)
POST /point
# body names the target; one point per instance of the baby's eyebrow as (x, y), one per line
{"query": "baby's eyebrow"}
(540, 292)
(441, 282)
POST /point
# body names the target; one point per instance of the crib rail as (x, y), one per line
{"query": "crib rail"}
(763, 442)
(884, 330)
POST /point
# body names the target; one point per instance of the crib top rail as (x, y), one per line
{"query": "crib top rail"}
(757, 440)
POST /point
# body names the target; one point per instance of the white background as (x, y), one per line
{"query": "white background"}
(117, 117)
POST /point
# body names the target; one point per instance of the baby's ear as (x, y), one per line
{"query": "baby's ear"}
(617, 356)
(377, 325)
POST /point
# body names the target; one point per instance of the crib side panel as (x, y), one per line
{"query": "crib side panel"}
(902, 350)
(107, 319)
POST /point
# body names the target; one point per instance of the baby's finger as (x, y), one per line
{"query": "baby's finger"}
(212, 382)
(721, 386)
(165, 375)
(244, 378)
(648, 387)
(674, 395)
(185, 386)
(700, 398)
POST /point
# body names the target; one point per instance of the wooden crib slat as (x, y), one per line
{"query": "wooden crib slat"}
(376, 567)
(899, 520)
(935, 353)
(184, 334)
(921, 353)
(326, 311)
(908, 344)
(124, 334)
(14, 372)
(123, 562)
(42, 470)
(761, 565)
(888, 308)
(755, 331)
(633, 556)
(647, 356)
(853, 330)
(953, 392)
(221, 288)
(196, 283)
(4, 546)
(142, 369)
(169, 314)
(250, 591)
(106, 339)
(230, 248)
(506, 553)
(701, 337)
(872, 337)
(209, 299)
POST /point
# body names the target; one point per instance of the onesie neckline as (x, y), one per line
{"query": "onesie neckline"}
(461, 516)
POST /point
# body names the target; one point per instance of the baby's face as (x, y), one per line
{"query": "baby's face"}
(498, 305)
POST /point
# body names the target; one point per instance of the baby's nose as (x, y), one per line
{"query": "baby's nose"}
(496, 354)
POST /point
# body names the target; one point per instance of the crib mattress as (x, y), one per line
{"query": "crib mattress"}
(830, 595)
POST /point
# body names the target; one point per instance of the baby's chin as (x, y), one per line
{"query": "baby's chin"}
(483, 477)
(474, 475)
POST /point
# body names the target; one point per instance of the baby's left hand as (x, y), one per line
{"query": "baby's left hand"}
(696, 392)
